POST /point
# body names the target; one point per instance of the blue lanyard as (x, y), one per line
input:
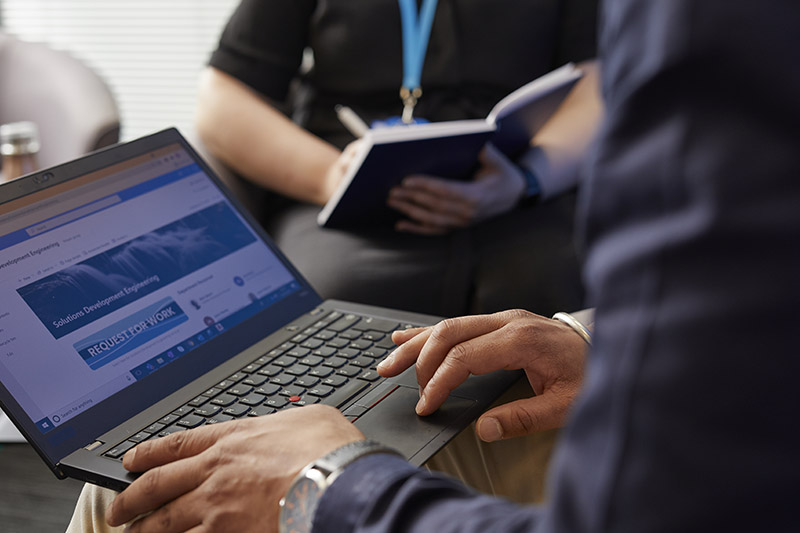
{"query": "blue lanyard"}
(416, 31)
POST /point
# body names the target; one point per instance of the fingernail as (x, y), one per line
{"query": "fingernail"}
(127, 459)
(423, 401)
(490, 430)
(386, 363)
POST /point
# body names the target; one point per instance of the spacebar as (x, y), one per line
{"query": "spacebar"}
(346, 393)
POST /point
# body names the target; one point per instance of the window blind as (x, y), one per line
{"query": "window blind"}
(150, 52)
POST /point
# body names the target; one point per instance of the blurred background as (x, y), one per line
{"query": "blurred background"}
(89, 73)
(149, 52)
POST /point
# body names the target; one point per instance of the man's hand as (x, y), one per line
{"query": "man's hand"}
(226, 477)
(550, 352)
(435, 206)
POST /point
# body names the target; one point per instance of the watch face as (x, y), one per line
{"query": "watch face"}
(299, 506)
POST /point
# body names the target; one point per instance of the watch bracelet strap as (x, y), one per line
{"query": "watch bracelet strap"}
(335, 461)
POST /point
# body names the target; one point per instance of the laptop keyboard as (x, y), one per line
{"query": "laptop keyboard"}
(333, 361)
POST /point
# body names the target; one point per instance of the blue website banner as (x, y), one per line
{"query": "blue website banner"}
(130, 333)
(84, 292)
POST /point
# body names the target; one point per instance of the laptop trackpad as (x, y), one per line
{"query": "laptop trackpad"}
(396, 424)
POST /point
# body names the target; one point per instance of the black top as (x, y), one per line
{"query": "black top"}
(479, 51)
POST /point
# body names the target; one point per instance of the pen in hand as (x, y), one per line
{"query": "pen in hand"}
(351, 121)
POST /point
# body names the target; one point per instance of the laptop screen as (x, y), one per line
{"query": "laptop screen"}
(112, 277)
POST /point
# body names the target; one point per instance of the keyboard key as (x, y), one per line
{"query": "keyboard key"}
(321, 371)
(197, 402)
(277, 402)
(335, 380)
(350, 334)
(348, 353)
(210, 393)
(344, 322)
(325, 334)
(154, 428)
(255, 380)
(311, 360)
(307, 381)
(375, 353)
(181, 411)
(369, 375)
(284, 361)
(321, 391)
(224, 400)
(270, 371)
(308, 400)
(218, 419)
(335, 362)
(169, 419)
(139, 437)
(311, 344)
(378, 324)
(373, 335)
(120, 449)
(191, 421)
(349, 371)
(298, 370)
(252, 367)
(292, 391)
(362, 362)
(208, 411)
(283, 379)
(268, 389)
(261, 410)
(237, 410)
(347, 392)
(252, 400)
(169, 430)
(299, 352)
(324, 351)
(338, 342)
(240, 390)
(360, 344)
(386, 343)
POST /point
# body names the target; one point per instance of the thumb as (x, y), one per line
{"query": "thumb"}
(521, 417)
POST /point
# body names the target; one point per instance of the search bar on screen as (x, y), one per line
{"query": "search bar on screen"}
(75, 214)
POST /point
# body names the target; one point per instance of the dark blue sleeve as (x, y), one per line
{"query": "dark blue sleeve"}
(384, 493)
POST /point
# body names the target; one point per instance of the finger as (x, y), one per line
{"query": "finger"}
(404, 356)
(179, 445)
(403, 335)
(448, 334)
(436, 187)
(523, 417)
(457, 207)
(425, 216)
(154, 488)
(175, 516)
(480, 355)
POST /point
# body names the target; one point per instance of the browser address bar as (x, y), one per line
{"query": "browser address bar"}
(88, 209)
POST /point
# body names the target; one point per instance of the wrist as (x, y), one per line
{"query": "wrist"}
(532, 190)
(299, 505)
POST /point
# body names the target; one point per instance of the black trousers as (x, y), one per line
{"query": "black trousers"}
(523, 259)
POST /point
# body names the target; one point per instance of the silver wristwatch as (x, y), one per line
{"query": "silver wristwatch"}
(301, 501)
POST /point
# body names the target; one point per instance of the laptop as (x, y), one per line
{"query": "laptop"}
(141, 299)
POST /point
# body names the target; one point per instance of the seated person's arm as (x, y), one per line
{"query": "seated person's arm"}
(261, 144)
(434, 205)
